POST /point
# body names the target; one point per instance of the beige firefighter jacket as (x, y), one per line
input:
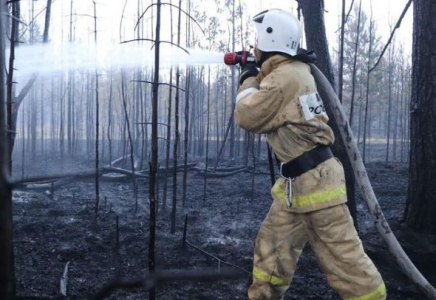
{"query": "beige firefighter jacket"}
(282, 102)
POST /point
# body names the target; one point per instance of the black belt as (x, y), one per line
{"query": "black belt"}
(305, 162)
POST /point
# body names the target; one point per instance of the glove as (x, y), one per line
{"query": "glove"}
(248, 70)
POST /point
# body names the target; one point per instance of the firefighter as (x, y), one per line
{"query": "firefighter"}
(309, 200)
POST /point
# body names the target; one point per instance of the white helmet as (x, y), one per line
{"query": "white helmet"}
(277, 31)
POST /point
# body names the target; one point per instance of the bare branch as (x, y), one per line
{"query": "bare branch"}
(392, 35)
(34, 19)
(218, 259)
(16, 184)
(161, 83)
(122, 17)
(349, 11)
(16, 19)
(347, 16)
(170, 4)
(153, 41)
(25, 90)
(149, 123)
(81, 15)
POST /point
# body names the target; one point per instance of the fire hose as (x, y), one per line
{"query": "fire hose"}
(328, 94)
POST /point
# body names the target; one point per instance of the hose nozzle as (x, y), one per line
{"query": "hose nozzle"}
(242, 58)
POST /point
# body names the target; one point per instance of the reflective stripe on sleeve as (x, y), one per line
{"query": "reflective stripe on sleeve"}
(264, 276)
(320, 197)
(245, 93)
(379, 292)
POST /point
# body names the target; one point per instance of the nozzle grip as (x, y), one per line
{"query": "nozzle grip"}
(230, 59)
(242, 58)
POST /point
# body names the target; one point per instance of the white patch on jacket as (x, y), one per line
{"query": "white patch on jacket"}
(312, 106)
(245, 93)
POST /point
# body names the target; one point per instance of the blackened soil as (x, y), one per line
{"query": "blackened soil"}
(51, 232)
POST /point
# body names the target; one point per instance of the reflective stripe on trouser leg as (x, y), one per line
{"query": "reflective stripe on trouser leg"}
(339, 251)
(279, 244)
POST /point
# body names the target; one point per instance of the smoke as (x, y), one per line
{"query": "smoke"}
(50, 59)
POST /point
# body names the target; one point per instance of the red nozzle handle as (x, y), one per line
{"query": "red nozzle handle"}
(232, 59)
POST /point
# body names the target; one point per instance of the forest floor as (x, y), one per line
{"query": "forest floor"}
(50, 232)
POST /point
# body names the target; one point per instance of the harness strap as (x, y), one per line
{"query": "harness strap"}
(305, 162)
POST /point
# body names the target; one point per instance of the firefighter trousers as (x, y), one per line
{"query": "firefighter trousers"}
(334, 240)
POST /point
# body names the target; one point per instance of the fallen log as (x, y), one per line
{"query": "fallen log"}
(56, 181)
(327, 93)
(179, 168)
(111, 169)
(221, 174)
(120, 159)
(218, 170)
(42, 183)
(226, 172)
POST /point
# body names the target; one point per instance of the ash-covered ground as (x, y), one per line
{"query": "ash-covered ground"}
(49, 233)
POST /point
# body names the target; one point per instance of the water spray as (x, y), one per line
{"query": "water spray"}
(51, 59)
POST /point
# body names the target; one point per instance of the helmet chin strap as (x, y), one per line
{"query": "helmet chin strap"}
(263, 57)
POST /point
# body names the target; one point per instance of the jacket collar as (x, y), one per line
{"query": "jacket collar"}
(273, 62)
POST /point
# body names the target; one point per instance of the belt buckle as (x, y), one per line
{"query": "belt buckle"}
(289, 189)
(281, 172)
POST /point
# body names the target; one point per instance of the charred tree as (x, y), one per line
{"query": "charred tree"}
(389, 105)
(70, 85)
(421, 204)
(154, 151)
(168, 142)
(368, 77)
(109, 127)
(7, 273)
(207, 136)
(341, 55)
(129, 132)
(233, 76)
(176, 130)
(313, 10)
(187, 98)
(186, 140)
(97, 117)
(353, 82)
(10, 83)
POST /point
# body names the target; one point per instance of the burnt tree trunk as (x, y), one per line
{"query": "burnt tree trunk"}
(317, 41)
(168, 141)
(233, 76)
(10, 82)
(389, 106)
(97, 119)
(207, 136)
(186, 141)
(341, 55)
(353, 81)
(421, 204)
(154, 152)
(176, 133)
(7, 274)
(131, 144)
